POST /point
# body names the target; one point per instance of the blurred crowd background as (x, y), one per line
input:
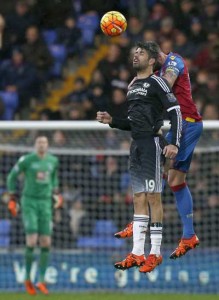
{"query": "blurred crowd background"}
(44, 42)
(55, 64)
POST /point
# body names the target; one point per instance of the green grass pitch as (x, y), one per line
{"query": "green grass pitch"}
(106, 296)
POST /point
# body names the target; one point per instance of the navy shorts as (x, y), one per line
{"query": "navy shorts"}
(146, 164)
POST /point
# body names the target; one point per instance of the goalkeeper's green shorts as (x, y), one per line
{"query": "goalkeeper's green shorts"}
(37, 216)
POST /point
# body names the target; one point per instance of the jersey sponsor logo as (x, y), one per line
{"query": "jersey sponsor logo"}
(42, 176)
(172, 57)
(138, 91)
(171, 97)
(146, 85)
(172, 63)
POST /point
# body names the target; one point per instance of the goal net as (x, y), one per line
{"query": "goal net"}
(95, 184)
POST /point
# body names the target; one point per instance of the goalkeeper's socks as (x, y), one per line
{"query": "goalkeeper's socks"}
(28, 261)
(156, 230)
(44, 258)
(140, 225)
(185, 208)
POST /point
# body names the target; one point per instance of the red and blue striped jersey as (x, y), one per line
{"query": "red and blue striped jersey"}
(182, 85)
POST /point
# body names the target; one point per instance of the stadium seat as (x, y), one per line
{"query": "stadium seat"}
(103, 237)
(59, 54)
(88, 23)
(5, 226)
(100, 242)
(104, 228)
(10, 100)
(49, 36)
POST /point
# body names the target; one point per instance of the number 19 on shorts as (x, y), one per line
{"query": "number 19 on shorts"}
(150, 185)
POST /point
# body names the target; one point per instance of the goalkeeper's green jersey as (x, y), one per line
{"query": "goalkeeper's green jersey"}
(40, 175)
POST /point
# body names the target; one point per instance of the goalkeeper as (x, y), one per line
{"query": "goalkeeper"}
(40, 184)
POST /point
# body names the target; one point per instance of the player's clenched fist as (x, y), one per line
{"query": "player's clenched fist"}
(13, 206)
(104, 117)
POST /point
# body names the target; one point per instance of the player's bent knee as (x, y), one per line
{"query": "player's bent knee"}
(31, 240)
(176, 177)
(45, 245)
(31, 244)
(139, 197)
(154, 199)
(45, 241)
(177, 188)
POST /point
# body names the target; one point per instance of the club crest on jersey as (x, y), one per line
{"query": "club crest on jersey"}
(171, 97)
(172, 57)
(146, 85)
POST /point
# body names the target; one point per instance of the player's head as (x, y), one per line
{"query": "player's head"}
(145, 55)
(41, 145)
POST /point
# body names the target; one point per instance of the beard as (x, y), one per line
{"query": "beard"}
(137, 67)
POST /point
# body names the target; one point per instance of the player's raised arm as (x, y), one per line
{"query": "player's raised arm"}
(173, 67)
(105, 118)
(172, 107)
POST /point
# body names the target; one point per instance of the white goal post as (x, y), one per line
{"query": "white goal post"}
(76, 125)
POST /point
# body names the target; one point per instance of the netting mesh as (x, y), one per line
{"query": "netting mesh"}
(95, 184)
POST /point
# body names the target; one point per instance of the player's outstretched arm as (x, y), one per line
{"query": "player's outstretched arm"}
(105, 118)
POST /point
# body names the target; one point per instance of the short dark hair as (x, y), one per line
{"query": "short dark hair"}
(151, 47)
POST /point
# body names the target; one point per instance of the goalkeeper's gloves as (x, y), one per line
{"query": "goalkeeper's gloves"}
(13, 206)
(58, 200)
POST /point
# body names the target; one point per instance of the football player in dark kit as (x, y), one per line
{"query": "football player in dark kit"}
(148, 97)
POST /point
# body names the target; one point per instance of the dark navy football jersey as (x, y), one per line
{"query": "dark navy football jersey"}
(147, 100)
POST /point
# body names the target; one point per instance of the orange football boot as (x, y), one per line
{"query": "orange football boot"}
(125, 233)
(151, 262)
(184, 246)
(41, 286)
(30, 289)
(130, 261)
